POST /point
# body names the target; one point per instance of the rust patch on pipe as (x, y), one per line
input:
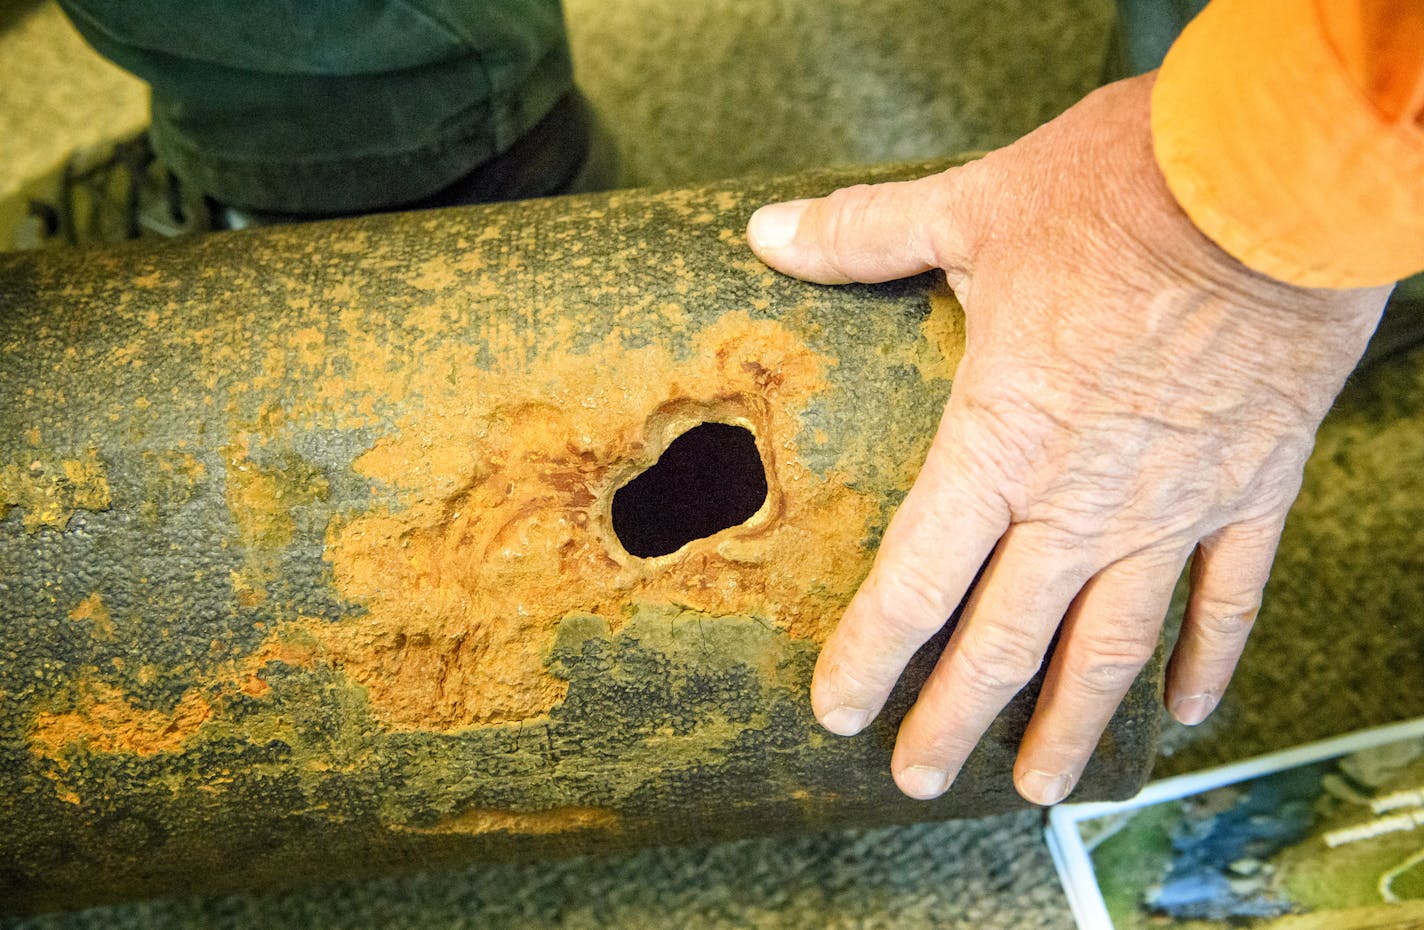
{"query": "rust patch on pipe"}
(93, 610)
(496, 478)
(530, 823)
(944, 333)
(104, 720)
(289, 646)
(50, 490)
(508, 475)
(261, 499)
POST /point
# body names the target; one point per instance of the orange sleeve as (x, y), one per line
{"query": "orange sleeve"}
(1292, 133)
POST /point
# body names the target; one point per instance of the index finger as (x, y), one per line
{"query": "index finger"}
(934, 546)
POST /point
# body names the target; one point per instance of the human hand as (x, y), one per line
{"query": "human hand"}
(1129, 394)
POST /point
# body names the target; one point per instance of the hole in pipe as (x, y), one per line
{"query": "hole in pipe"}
(710, 478)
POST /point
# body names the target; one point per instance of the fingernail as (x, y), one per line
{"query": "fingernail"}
(1045, 787)
(923, 782)
(775, 225)
(844, 720)
(1193, 710)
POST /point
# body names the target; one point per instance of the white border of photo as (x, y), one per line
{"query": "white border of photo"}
(1071, 855)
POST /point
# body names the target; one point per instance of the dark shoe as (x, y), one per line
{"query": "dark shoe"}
(107, 193)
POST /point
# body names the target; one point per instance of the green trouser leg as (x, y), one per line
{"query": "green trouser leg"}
(1145, 30)
(322, 106)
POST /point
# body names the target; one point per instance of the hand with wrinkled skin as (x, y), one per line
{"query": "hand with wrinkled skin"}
(1129, 395)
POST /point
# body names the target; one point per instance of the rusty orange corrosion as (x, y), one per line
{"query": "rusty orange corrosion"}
(49, 491)
(531, 823)
(93, 609)
(108, 722)
(508, 477)
(501, 478)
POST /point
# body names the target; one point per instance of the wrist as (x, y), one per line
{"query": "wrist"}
(1174, 238)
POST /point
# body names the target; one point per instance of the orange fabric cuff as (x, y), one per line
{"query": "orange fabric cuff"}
(1280, 157)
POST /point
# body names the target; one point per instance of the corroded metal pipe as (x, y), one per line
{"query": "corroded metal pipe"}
(309, 563)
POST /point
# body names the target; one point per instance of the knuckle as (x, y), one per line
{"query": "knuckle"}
(1230, 617)
(955, 241)
(1077, 513)
(1106, 670)
(1003, 440)
(1227, 623)
(1000, 659)
(932, 731)
(911, 602)
(947, 747)
(835, 672)
(843, 216)
(969, 495)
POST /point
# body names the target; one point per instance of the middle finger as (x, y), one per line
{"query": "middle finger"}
(996, 649)
(1109, 634)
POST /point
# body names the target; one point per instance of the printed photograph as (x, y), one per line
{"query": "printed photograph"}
(1336, 842)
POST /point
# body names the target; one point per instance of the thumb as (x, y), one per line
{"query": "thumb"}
(867, 233)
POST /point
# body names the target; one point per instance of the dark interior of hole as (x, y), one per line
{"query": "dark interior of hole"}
(709, 479)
